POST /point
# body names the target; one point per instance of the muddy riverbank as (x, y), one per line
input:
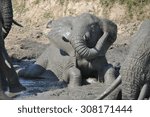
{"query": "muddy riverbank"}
(25, 44)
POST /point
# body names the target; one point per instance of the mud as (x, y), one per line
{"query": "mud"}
(51, 90)
(25, 44)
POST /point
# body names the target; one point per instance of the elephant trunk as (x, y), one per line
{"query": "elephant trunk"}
(7, 16)
(132, 79)
(79, 44)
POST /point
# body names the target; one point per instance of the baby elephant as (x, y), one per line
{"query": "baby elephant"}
(81, 43)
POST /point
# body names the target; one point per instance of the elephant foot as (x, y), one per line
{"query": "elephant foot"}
(75, 83)
(75, 78)
(20, 72)
(100, 79)
(4, 86)
(4, 96)
(31, 72)
(16, 88)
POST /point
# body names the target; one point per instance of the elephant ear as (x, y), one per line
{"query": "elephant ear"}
(61, 28)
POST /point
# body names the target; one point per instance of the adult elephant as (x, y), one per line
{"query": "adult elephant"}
(7, 71)
(135, 71)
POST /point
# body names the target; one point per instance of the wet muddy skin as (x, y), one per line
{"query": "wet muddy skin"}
(115, 54)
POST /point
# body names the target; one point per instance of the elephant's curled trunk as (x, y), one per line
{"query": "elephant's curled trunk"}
(81, 48)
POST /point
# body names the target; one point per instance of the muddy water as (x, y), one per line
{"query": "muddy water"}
(38, 86)
(35, 86)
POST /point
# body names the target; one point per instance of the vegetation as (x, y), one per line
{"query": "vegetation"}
(62, 2)
(132, 9)
(36, 2)
(48, 15)
(20, 6)
(132, 5)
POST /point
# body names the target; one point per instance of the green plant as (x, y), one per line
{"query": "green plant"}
(36, 2)
(20, 8)
(47, 15)
(132, 5)
(62, 2)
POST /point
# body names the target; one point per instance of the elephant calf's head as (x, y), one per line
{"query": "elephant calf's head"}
(88, 35)
(92, 36)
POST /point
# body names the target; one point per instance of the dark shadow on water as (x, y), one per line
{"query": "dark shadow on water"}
(37, 85)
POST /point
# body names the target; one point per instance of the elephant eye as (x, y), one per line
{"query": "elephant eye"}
(64, 39)
(93, 28)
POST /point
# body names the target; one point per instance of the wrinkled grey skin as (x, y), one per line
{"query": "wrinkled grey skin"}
(135, 72)
(6, 68)
(53, 63)
(136, 69)
(89, 35)
(85, 39)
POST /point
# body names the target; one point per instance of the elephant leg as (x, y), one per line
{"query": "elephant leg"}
(3, 96)
(5, 61)
(36, 69)
(109, 78)
(8, 70)
(75, 78)
(100, 76)
(33, 71)
(4, 81)
(109, 74)
(131, 90)
(98, 64)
